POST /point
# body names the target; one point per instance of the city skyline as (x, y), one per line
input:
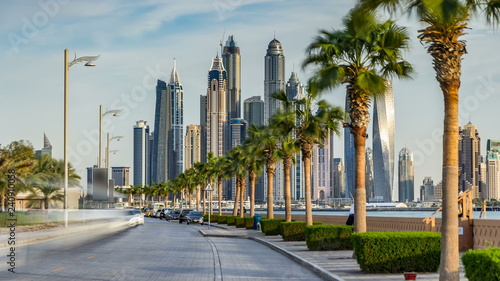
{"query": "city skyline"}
(141, 39)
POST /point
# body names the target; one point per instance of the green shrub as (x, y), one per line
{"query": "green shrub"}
(214, 218)
(295, 231)
(222, 219)
(240, 222)
(329, 237)
(271, 226)
(482, 264)
(231, 220)
(396, 252)
(248, 222)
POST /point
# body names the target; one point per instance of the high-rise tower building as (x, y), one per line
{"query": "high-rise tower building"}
(338, 178)
(383, 145)
(369, 174)
(406, 183)
(203, 127)
(176, 139)
(121, 176)
(193, 145)
(217, 116)
(168, 143)
(46, 149)
(141, 161)
(320, 172)
(469, 160)
(274, 78)
(232, 63)
(493, 175)
(427, 190)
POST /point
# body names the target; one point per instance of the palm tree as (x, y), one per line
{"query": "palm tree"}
(445, 23)
(254, 165)
(363, 55)
(269, 146)
(220, 169)
(311, 126)
(283, 124)
(239, 170)
(45, 193)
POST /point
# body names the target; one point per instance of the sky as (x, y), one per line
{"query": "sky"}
(137, 42)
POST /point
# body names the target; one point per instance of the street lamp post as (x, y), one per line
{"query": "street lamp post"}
(118, 138)
(115, 112)
(67, 65)
(209, 188)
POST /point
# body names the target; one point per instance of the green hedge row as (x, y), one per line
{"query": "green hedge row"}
(222, 219)
(329, 237)
(295, 231)
(248, 222)
(271, 226)
(240, 222)
(396, 252)
(231, 220)
(482, 264)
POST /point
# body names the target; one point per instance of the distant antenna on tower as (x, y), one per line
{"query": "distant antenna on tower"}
(275, 34)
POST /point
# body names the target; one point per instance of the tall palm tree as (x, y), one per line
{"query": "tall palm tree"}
(283, 124)
(363, 55)
(240, 170)
(46, 193)
(255, 164)
(445, 22)
(220, 171)
(269, 146)
(312, 122)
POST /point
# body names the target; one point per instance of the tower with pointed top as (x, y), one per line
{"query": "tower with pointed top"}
(168, 144)
(46, 149)
(274, 77)
(232, 63)
(217, 115)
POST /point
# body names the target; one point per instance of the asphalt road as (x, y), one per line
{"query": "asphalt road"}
(158, 250)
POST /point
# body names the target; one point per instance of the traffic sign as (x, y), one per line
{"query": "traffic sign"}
(209, 187)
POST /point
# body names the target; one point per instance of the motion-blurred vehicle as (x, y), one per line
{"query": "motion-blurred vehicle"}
(147, 212)
(194, 216)
(172, 215)
(163, 213)
(183, 215)
(134, 217)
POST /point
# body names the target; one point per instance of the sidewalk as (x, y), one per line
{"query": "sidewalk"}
(330, 265)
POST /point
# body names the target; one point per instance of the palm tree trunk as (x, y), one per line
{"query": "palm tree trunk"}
(236, 197)
(449, 266)
(270, 182)
(204, 196)
(287, 163)
(219, 191)
(242, 196)
(252, 192)
(360, 189)
(306, 157)
(198, 198)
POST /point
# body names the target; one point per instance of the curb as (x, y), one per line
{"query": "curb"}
(324, 274)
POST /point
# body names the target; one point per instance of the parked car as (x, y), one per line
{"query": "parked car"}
(163, 213)
(147, 212)
(183, 215)
(172, 215)
(157, 213)
(194, 216)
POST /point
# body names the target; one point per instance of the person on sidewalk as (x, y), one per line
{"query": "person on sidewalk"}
(350, 219)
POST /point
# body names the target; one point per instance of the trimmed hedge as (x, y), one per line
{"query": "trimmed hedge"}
(240, 222)
(482, 264)
(329, 237)
(271, 226)
(214, 218)
(397, 252)
(222, 219)
(248, 222)
(295, 231)
(231, 220)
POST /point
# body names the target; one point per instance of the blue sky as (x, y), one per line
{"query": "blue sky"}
(138, 40)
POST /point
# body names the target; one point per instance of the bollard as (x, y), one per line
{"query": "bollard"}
(410, 276)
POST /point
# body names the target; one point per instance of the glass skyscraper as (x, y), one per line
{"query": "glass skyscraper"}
(406, 186)
(217, 116)
(141, 161)
(383, 145)
(232, 63)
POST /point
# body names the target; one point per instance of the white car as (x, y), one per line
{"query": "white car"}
(134, 217)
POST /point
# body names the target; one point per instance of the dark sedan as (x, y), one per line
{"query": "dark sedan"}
(172, 215)
(194, 216)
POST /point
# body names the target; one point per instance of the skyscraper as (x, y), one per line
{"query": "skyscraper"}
(369, 174)
(406, 186)
(493, 175)
(274, 78)
(141, 141)
(383, 144)
(121, 176)
(46, 149)
(338, 178)
(217, 116)
(162, 128)
(427, 190)
(320, 171)
(469, 160)
(237, 131)
(168, 147)
(203, 127)
(175, 150)
(232, 63)
(193, 145)
(253, 110)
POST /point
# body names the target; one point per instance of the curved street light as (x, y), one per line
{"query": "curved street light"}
(114, 112)
(67, 64)
(118, 138)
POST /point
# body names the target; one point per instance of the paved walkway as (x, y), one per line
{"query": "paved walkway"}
(330, 265)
